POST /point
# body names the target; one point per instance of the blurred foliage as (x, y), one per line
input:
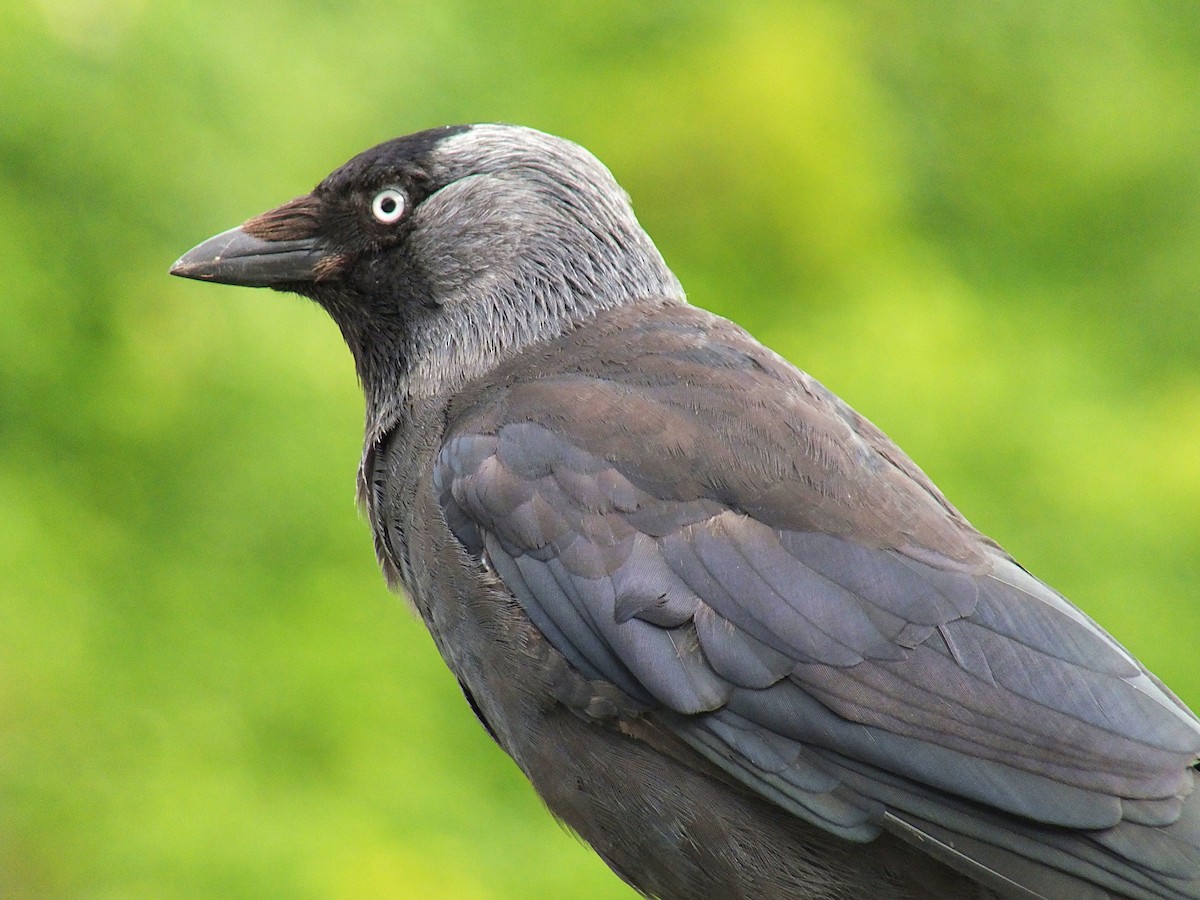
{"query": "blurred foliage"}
(978, 223)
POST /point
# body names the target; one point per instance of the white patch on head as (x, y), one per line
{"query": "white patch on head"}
(530, 235)
(489, 149)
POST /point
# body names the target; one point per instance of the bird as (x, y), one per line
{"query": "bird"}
(734, 637)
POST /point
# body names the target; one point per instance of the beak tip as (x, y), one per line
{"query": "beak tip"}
(202, 262)
(184, 267)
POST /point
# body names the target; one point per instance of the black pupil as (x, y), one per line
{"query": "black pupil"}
(387, 205)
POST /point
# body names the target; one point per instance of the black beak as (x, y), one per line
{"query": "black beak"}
(280, 248)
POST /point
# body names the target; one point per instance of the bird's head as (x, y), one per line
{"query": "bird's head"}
(441, 253)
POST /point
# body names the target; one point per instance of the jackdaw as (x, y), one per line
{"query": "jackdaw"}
(734, 637)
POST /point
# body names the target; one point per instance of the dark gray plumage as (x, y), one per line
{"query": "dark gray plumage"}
(732, 634)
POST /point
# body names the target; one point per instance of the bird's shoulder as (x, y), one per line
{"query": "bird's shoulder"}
(689, 406)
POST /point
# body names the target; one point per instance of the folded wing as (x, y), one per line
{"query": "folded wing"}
(914, 679)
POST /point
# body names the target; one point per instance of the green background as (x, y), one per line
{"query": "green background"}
(978, 223)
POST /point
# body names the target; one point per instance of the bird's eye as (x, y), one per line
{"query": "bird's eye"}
(388, 206)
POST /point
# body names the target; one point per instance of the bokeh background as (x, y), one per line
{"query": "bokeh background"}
(978, 223)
